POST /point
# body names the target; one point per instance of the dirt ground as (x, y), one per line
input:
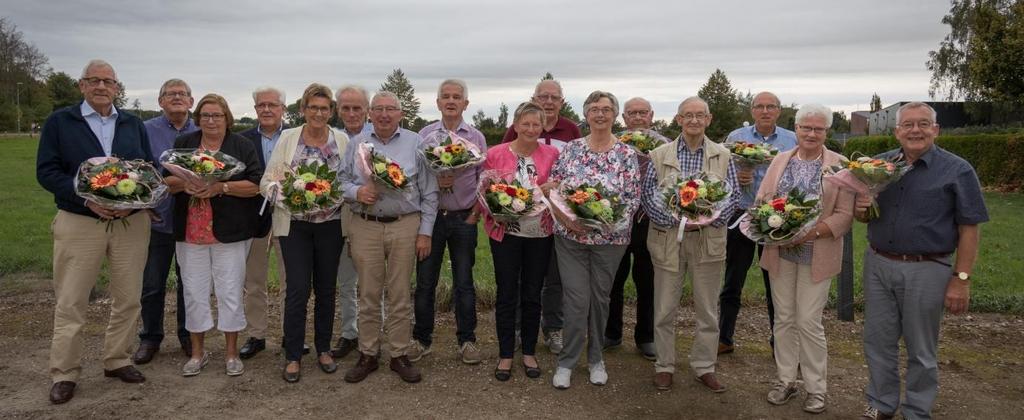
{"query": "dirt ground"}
(980, 358)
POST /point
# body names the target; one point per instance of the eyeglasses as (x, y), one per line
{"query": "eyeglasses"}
(764, 107)
(95, 81)
(698, 116)
(211, 117)
(638, 113)
(909, 125)
(176, 95)
(605, 110)
(547, 98)
(381, 109)
(267, 105)
(808, 129)
(326, 110)
(347, 108)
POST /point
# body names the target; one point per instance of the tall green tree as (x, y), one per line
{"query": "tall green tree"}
(981, 58)
(502, 116)
(63, 90)
(876, 103)
(397, 83)
(724, 103)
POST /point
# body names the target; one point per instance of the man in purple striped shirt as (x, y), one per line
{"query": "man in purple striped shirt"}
(454, 228)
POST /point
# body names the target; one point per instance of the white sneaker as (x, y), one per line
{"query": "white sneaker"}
(554, 341)
(193, 366)
(598, 374)
(234, 367)
(561, 378)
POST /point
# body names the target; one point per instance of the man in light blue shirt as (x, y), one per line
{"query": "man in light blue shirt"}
(765, 109)
(388, 231)
(101, 125)
(176, 101)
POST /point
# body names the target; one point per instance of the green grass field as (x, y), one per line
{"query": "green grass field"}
(26, 211)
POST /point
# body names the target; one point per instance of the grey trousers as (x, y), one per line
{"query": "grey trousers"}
(348, 307)
(588, 272)
(903, 299)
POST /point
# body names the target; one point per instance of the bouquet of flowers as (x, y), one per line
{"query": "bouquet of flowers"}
(870, 176)
(380, 168)
(591, 205)
(696, 199)
(751, 155)
(642, 140)
(200, 167)
(445, 151)
(120, 184)
(507, 199)
(782, 219)
(311, 187)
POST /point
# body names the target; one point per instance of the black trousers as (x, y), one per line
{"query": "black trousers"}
(311, 253)
(520, 265)
(639, 258)
(154, 290)
(739, 254)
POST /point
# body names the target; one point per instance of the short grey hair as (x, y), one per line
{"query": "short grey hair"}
(814, 110)
(636, 99)
(353, 88)
(386, 94)
(912, 105)
(454, 82)
(174, 82)
(679, 109)
(97, 63)
(774, 96)
(597, 95)
(269, 89)
(558, 85)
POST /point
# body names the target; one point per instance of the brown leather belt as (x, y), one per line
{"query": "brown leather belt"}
(378, 219)
(911, 257)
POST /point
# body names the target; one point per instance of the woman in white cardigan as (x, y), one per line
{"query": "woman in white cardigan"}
(310, 243)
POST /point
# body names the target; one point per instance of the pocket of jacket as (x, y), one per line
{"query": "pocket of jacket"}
(714, 243)
(660, 245)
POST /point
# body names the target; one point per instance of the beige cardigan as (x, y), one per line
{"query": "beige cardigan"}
(837, 214)
(280, 160)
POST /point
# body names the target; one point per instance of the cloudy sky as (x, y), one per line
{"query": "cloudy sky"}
(835, 53)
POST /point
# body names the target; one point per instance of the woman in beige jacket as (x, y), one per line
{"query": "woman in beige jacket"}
(800, 272)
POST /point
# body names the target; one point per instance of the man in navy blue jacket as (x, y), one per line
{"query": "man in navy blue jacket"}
(81, 238)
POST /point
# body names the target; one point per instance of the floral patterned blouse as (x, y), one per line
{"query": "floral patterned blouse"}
(619, 172)
(328, 153)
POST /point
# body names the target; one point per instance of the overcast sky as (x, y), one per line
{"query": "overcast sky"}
(835, 53)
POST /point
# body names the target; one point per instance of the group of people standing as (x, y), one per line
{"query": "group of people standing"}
(554, 276)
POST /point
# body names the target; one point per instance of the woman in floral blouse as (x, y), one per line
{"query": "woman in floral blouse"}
(213, 226)
(310, 243)
(588, 258)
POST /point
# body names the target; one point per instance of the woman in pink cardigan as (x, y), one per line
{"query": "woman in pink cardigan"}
(801, 272)
(521, 250)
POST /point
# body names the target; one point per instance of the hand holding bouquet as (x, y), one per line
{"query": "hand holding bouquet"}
(591, 205)
(507, 199)
(309, 188)
(119, 184)
(781, 220)
(644, 141)
(751, 155)
(200, 167)
(380, 168)
(868, 176)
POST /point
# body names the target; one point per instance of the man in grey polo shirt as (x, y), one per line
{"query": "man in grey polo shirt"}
(910, 271)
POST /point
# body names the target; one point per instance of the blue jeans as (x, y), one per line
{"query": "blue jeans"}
(154, 290)
(450, 229)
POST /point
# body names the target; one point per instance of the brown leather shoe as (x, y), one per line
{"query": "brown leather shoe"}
(127, 374)
(145, 353)
(363, 368)
(663, 381)
(725, 348)
(405, 370)
(62, 392)
(709, 380)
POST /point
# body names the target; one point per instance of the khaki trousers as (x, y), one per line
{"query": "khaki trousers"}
(255, 290)
(799, 334)
(80, 245)
(668, 288)
(384, 255)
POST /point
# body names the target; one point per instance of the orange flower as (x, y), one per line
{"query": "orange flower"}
(103, 179)
(579, 197)
(321, 187)
(687, 195)
(396, 175)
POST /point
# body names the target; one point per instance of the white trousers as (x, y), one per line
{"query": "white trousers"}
(799, 333)
(223, 267)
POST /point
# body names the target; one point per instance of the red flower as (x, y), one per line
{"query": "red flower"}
(779, 204)
(310, 186)
(510, 191)
(692, 184)
(597, 195)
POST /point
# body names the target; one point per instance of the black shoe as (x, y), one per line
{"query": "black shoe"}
(647, 351)
(251, 347)
(291, 377)
(532, 372)
(327, 367)
(502, 374)
(344, 347)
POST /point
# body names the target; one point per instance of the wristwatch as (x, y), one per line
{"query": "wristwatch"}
(225, 189)
(963, 275)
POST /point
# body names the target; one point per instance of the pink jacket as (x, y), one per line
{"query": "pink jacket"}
(837, 214)
(502, 158)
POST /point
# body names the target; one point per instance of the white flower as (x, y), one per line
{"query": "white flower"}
(699, 182)
(299, 184)
(197, 158)
(438, 150)
(775, 221)
(518, 205)
(605, 203)
(134, 176)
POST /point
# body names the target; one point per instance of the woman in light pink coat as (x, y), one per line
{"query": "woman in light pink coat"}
(801, 272)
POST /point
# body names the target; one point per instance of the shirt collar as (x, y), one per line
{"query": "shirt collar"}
(88, 111)
(280, 128)
(398, 131)
(189, 124)
(682, 144)
(927, 157)
(775, 131)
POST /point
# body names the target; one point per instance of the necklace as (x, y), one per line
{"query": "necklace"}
(808, 160)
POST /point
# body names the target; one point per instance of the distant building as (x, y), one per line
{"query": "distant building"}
(859, 123)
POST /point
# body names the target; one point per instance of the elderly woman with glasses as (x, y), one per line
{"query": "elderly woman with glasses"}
(801, 272)
(311, 242)
(588, 258)
(213, 227)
